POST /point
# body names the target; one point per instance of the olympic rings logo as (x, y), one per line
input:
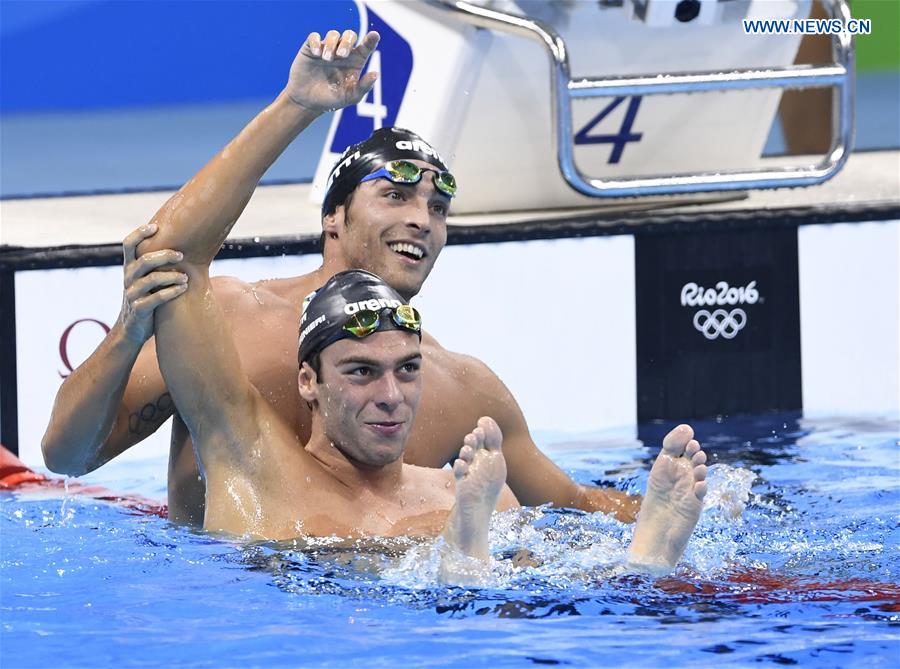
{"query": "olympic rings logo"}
(720, 323)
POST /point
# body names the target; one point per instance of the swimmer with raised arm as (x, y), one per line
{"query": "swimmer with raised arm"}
(360, 372)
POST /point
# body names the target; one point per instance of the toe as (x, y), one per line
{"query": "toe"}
(700, 473)
(494, 441)
(466, 453)
(493, 438)
(487, 424)
(699, 458)
(676, 441)
(460, 467)
(700, 489)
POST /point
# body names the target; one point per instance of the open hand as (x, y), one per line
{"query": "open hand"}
(325, 74)
(147, 285)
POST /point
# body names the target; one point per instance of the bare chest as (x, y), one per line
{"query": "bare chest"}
(417, 511)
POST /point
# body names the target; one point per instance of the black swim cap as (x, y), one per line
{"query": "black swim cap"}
(326, 310)
(359, 160)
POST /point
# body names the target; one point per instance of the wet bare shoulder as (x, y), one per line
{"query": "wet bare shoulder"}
(458, 368)
(293, 288)
(475, 388)
(235, 294)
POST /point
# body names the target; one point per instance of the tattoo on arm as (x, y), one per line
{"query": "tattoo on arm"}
(150, 415)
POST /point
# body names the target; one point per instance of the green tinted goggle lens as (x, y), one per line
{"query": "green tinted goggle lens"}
(407, 317)
(446, 183)
(405, 172)
(362, 323)
(365, 322)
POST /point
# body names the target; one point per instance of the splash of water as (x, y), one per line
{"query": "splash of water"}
(728, 491)
(563, 549)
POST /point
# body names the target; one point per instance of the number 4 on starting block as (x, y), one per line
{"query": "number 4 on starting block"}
(625, 134)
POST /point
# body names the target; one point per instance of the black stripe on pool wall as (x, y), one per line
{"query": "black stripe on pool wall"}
(718, 323)
(9, 419)
(578, 225)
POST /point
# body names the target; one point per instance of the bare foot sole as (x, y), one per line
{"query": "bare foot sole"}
(480, 472)
(672, 505)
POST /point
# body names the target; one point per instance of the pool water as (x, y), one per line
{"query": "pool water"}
(807, 573)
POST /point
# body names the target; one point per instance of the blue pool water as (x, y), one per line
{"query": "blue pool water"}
(808, 573)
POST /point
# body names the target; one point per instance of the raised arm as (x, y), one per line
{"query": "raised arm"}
(323, 77)
(117, 397)
(196, 351)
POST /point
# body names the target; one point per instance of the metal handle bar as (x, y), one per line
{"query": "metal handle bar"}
(839, 76)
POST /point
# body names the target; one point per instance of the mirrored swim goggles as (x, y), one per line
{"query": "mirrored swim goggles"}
(366, 321)
(405, 172)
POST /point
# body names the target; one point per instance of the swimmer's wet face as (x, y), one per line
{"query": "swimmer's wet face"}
(386, 206)
(365, 388)
(395, 230)
(367, 393)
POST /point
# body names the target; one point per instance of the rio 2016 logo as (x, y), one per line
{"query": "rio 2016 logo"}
(725, 323)
(693, 295)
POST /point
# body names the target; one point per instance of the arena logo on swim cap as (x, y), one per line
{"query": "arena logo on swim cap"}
(417, 145)
(372, 305)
